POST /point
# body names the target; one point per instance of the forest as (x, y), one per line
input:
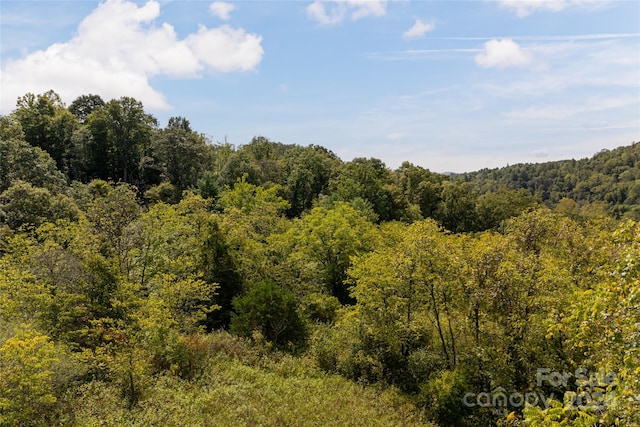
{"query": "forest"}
(150, 276)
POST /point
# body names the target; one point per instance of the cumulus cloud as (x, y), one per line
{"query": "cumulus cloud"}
(226, 49)
(524, 8)
(221, 9)
(117, 49)
(328, 12)
(418, 29)
(502, 53)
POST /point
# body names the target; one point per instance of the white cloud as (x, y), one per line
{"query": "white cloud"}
(572, 66)
(226, 49)
(329, 12)
(221, 9)
(117, 49)
(524, 8)
(502, 53)
(418, 29)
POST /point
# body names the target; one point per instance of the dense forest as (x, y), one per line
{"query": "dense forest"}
(149, 276)
(610, 177)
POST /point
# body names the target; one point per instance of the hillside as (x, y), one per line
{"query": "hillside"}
(151, 277)
(610, 176)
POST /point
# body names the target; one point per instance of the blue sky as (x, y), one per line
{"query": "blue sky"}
(448, 85)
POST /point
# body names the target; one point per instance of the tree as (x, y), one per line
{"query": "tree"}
(366, 179)
(67, 285)
(110, 211)
(272, 312)
(84, 105)
(219, 267)
(22, 295)
(208, 187)
(121, 134)
(47, 124)
(497, 206)
(260, 160)
(10, 128)
(250, 215)
(27, 363)
(181, 152)
(308, 171)
(398, 288)
(180, 255)
(20, 161)
(25, 205)
(421, 187)
(600, 325)
(456, 211)
(322, 243)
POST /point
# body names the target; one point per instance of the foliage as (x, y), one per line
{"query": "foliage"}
(25, 205)
(47, 124)
(27, 361)
(272, 312)
(282, 391)
(321, 244)
(20, 161)
(181, 152)
(358, 294)
(610, 176)
(121, 133)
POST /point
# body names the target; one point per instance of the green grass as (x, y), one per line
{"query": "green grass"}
(241, 387)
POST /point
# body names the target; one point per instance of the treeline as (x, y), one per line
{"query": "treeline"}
(260, 282)
(118, 141)
(609, 180)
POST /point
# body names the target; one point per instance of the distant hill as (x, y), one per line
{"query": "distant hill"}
(610, 176)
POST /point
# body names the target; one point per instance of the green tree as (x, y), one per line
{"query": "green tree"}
(10, 128)
(400, 289)
(84, 105)
(179, 255)
(600, 326)
(308, 171)
(456, 211)
(321, 244)
(260, 160)
(110, 211)
(121, 134)
(181, 152)
(27, 363)
(208, 186)
(219, 267)
(494, 207)
(25, 205)
(47, 124)
(20, 161)
(367, 179)
(271, 311)
(421, 187)
(22, 296)
(250, 215)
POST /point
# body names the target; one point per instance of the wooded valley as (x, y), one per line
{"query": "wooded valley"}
(150, 276)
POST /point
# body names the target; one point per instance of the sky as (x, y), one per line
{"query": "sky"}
(452, 86)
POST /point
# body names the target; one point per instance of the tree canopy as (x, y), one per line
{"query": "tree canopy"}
(149, 276)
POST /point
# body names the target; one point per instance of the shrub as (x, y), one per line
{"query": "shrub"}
(273, 313)
(321, 307)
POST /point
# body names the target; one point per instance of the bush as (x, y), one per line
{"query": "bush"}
(273, 313)
(321, 307)
(25, 205)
